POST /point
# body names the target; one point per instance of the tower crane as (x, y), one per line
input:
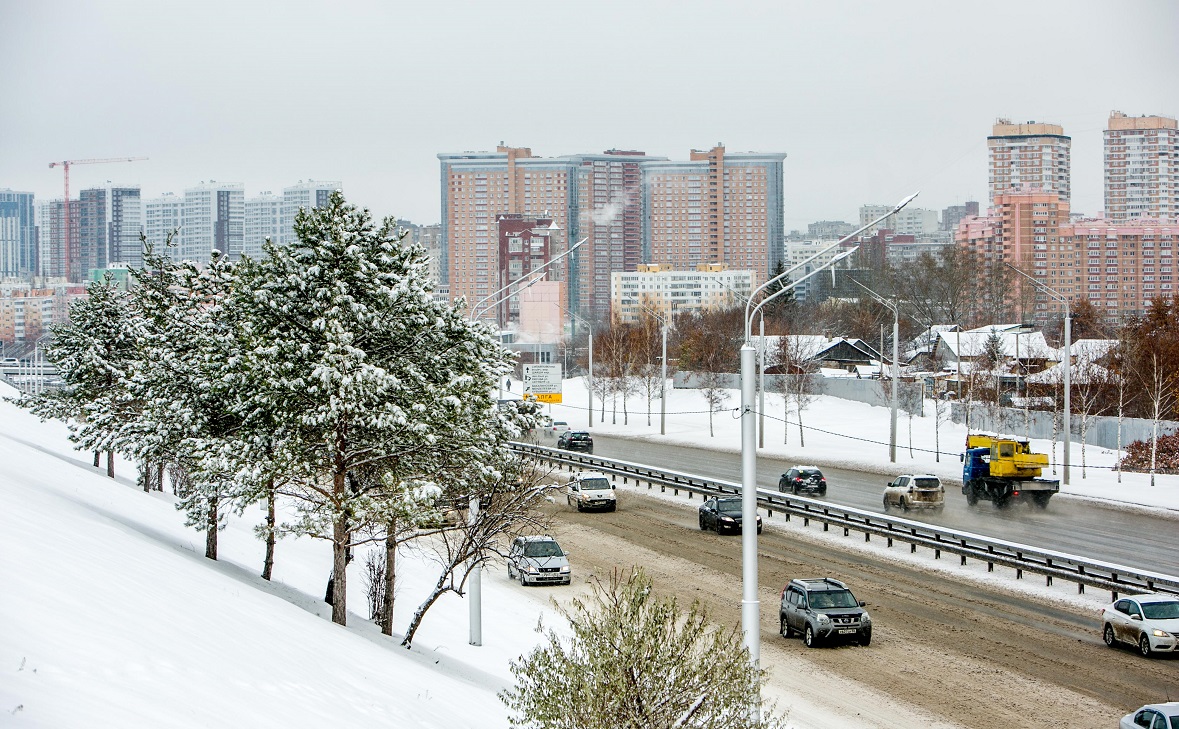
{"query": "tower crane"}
(71, 254)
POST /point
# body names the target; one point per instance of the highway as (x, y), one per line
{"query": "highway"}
(1134, 538)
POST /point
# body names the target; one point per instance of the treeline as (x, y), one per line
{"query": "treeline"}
(323, 380)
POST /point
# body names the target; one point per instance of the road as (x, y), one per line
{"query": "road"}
(945, 653)
(1132, 538)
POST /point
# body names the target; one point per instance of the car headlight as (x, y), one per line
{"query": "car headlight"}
(530, 568)
(564, 570)
(823, 617)
(727, 518)
(1160, 633)
(865, 618)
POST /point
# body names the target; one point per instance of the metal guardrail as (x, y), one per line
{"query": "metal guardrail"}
(1117, 579)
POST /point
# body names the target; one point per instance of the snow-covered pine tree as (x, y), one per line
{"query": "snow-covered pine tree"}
(366, 372)
(94, 352)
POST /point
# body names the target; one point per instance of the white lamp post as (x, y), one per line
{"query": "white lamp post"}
(482, 305)
(750, 605)
(896, 368)
(1068, 362)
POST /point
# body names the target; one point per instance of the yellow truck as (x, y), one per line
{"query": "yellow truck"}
(1002, 469)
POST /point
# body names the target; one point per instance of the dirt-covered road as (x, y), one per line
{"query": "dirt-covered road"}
(946, 651)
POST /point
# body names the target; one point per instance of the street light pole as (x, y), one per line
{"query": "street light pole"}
(474, 589)
(896, 368)
(750, 605)
(1068, 363)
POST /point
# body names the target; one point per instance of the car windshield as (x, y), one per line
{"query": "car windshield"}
(594, 484)
(560, 424)
(926, 483)
(1161, 610)
(729, 506)
(833, 599)
(542, 549)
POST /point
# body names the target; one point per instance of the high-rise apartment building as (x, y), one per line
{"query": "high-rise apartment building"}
(162, 217)
(309, 194)
(51, 239)
(110, 220)
(479, 187)
(952, 215)
(430, 238)
(667, 292)
(1029, 157)
(910, 221)
(607, 209)
(715, 208)
(18, 234)
(1126, 263)
(1141, 167)
(213, 219)
(263, 221)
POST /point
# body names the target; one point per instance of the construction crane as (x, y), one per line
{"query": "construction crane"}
(71, 255)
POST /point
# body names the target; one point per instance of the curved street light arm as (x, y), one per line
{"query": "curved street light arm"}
(841, 241)
(789, 287)
(481, 305)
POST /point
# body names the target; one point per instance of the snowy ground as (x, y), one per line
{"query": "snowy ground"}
(113, 617)
(846, 434)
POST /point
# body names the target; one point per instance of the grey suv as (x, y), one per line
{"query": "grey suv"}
(823, 609)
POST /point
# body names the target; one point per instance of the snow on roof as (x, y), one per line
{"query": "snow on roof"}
(1032, 345)
(837, 372)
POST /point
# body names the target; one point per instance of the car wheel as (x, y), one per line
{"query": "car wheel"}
(614, 506)
(808, 637)
(794, 490)
(866, 638)
(703, 526)
(1144, 646)
(523, 580)
(887, 506)
(1002, 502)
(510, 575)
(823, 492)
(904, 504)
(783, 628)
(1109, 637)
(579, 506)
(971, 496)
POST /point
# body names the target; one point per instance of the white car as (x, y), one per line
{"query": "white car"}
(1150, 622)
(591, 490)
(921, 491)
(558, 427)
(1153, 716)
(538, 560)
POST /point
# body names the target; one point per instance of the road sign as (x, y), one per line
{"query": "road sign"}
(543, 381)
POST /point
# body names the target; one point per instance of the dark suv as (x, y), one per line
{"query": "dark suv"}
(823, 609)
(803, 478)
(576, 440)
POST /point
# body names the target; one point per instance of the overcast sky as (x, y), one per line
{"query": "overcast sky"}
(870, 101)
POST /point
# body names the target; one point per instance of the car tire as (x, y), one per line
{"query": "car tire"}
(1002, 502)
(613, 507)
(887, 506)
(904, 504)
(823, 492)
(783, 628)
(523, 580)
(1108, 636)
(866, 638)
(971, 496)
(510, 575)
(703, 526)
(1144, 646)
(808, 637)
(794, 489)
(579, 506)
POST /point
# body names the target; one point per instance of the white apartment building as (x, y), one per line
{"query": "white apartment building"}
(1141, 167)
(309, 194)
(162, 216)
(263, 220)
(667, 292)
(213, 218)
(1029, 157)
(910, 221)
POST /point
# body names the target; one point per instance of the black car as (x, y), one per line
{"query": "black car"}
(576, 440)
(803, 479)
(723, 515)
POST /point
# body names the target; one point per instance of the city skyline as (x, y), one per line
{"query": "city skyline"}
(868, 106)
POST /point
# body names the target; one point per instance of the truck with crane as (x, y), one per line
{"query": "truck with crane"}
(1002, 469)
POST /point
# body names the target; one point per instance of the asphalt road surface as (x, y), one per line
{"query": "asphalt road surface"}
(946, 652)
(1133, 538)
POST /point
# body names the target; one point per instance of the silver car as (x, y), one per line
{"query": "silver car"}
(1150, 622)
(922, 491)
(538, 560)
(1153, 716)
